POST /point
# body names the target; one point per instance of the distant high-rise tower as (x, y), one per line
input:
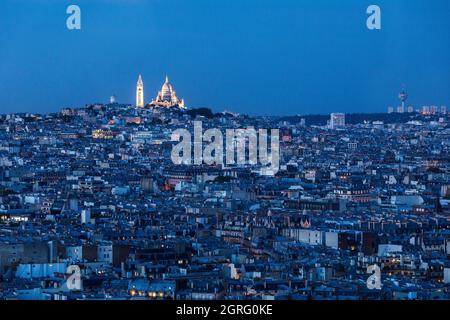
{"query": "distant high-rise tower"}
(140, 93)
(337, 120)
(112, 99)
(403, 96)
(433, 109)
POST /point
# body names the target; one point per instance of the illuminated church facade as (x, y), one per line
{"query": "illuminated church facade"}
(166, 98)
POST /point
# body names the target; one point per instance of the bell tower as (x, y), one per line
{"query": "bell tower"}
(140, 93)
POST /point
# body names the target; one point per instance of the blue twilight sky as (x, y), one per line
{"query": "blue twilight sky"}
(273, 57)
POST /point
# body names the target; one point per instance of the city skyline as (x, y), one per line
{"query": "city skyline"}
(290, 58)
(120, 202)
(255, 154)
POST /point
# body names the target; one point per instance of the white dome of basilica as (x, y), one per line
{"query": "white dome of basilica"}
(167, 90)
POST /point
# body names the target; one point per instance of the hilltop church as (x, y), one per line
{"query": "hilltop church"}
(166, 98)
